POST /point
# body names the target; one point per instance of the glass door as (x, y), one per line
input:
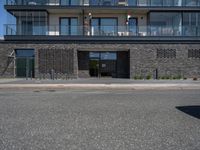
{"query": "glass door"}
(68, 26)
(95, 27)
(104, 26)
(132, 25)
(108, 26)
(27, 28)
(94, 58)
(24, 63)
(108, 64)
(102, 64)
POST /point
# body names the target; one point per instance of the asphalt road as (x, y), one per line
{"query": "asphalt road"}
(99, 120)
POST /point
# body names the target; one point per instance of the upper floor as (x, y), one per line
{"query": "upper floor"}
(107, 3)
(103, 19)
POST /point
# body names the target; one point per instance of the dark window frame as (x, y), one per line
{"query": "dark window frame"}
(69, 24)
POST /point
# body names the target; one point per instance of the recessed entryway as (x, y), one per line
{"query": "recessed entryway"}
(24, 62)
(110, 64)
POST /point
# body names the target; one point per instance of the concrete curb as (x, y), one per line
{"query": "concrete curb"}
(103, 86)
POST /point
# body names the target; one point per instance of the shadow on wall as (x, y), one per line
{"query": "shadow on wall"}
(193, 111)
(9, 61)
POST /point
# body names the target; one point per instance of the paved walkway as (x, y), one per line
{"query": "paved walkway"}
(103, 83)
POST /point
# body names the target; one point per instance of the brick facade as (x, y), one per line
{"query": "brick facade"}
(143, 58)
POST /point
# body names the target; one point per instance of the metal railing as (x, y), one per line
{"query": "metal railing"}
(146, 3)
(56, 30)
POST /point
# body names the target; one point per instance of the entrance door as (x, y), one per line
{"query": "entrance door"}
(132, 26)
(94, 64)
(102, 64)
(24, 63)
(108, 63)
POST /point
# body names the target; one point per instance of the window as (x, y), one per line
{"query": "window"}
(104, 26)
(68, 26)
(132, 2)
(190, 2)
(194, 53)
(166, 53)
(69, 2)
(108, 56)
(24, 53)
(191, 23)
(156, 2)
(103, 2)
(31, 22)
(165, 24)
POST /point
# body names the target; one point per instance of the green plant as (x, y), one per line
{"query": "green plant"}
(148, 77)
(179, 77)
(174, 77)
(137, 77)
(163, 77)
(167, 77)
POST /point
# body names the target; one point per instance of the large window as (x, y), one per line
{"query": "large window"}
(191, 24)
(191, 2)
(165, 24)
(172, 2)
(103, 2)
(30, 2)
(104, 26)
(176, 24)
(31, 22)
(132, 2)
(156, 2)
(68, 26)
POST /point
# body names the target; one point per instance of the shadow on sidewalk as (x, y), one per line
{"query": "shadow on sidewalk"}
(193, 111)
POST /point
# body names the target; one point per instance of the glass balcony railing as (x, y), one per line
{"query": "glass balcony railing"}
(140, 3)
(57, 30)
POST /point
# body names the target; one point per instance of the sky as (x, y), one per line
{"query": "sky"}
(2, 17)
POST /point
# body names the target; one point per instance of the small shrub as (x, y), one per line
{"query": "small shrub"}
(163, 77)
(140, 77)
(179, 77)
(174, 77)
(184, 78)
(167, 77)
(137, 77)
(148, 77)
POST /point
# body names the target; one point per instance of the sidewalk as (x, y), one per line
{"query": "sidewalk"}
(126, 84)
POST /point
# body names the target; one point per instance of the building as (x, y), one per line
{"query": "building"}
(101, 38)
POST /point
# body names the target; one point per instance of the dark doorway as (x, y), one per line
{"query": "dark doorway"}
(102, 64)
(24, 63)
(112, 64)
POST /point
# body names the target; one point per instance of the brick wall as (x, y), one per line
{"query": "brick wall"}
(143, 58)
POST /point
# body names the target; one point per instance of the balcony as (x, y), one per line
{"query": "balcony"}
(111, 31)
(133, 3)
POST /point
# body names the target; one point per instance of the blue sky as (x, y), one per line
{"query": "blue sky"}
(2, 17)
